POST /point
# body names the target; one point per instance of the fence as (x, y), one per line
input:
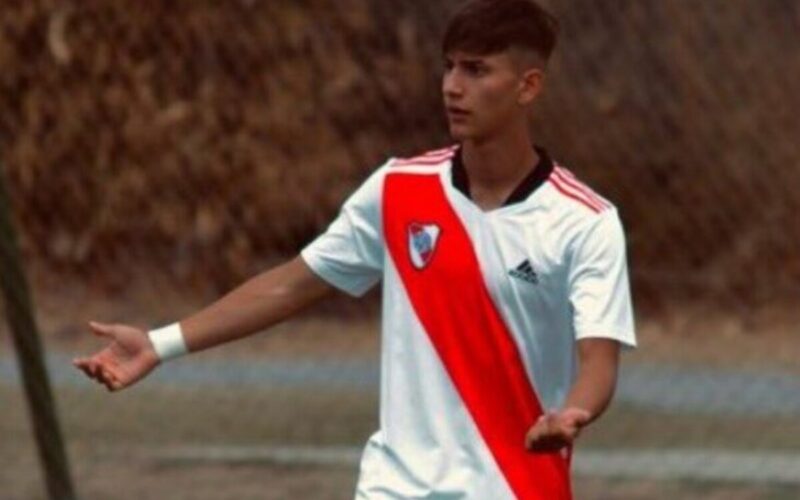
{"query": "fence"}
(157, 153)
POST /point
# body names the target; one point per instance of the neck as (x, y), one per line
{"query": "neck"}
(499, 162)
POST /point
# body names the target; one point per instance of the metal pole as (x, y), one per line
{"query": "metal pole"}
(29, 354)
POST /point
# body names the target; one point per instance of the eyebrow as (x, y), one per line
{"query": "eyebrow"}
(466, 60)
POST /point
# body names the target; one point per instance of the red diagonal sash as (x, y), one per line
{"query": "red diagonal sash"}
(450, 298)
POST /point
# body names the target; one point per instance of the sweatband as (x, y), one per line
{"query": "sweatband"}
(168, 342)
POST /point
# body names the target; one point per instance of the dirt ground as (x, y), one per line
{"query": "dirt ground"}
(114, 444)
(693, 338)
(139, 480)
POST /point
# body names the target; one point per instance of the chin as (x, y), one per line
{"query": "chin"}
(462, 135)
(459, 133)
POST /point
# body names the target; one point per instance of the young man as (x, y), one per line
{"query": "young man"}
(505, 288)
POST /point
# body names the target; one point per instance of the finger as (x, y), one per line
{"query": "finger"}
(87, 366)
(536, 444)
(543, 426)
(111, 381)
(85, 362)
(550, 423)
(85, 370)
(551, 437)
(102, 329)
(94, 376)
(535, 435)
(79, 362)
(110, 376)
(582, 417)
(530, 440)
(570, 428)
(105, 371)
(577, 415)
(549, 443)
(545, 444)
(98, 369)
(92, 366)
(102, 376)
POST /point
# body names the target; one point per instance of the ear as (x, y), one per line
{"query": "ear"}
(530, 85)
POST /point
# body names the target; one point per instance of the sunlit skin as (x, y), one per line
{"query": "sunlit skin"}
(489, 96)
(488, 100)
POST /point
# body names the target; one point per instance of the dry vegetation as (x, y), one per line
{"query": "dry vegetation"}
(208, 138)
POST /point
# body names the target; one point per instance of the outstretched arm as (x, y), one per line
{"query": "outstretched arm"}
(259, 303)
(598, 359)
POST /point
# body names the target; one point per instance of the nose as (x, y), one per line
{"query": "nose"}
(451, 84)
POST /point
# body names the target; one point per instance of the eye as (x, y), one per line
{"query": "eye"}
(448, 65)
(475, 68)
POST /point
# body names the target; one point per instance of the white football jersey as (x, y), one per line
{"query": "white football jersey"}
(481, 312)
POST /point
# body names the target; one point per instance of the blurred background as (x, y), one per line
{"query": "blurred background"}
(158, 153)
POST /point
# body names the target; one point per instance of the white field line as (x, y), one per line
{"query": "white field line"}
(673, 464)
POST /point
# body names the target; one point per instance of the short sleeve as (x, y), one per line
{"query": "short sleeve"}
(599, 290)
(349, 254)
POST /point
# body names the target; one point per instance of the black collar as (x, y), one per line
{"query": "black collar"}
(537, 176)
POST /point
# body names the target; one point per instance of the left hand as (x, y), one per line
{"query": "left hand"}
(556, 429)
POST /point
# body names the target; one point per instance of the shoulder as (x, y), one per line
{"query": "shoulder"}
(571, 195)
(426, 162)
(430, 162)
(578, 212)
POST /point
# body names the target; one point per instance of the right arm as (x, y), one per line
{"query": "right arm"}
(348, 256)
(259, 303)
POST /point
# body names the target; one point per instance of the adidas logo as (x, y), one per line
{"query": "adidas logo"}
(525, 272)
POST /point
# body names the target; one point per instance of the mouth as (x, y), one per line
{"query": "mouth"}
(456, 113)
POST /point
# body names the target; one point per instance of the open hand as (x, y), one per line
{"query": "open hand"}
(128, 357)
(556, 429)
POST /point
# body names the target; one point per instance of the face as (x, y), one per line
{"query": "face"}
(484, 95)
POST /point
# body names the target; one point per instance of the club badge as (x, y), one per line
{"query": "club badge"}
(422, 239)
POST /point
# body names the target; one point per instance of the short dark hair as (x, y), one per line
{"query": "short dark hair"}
(484, 27)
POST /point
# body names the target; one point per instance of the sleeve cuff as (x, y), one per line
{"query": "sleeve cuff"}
(339, 280)
(626, 339)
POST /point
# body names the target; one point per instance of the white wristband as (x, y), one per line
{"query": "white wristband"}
(168, 342)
